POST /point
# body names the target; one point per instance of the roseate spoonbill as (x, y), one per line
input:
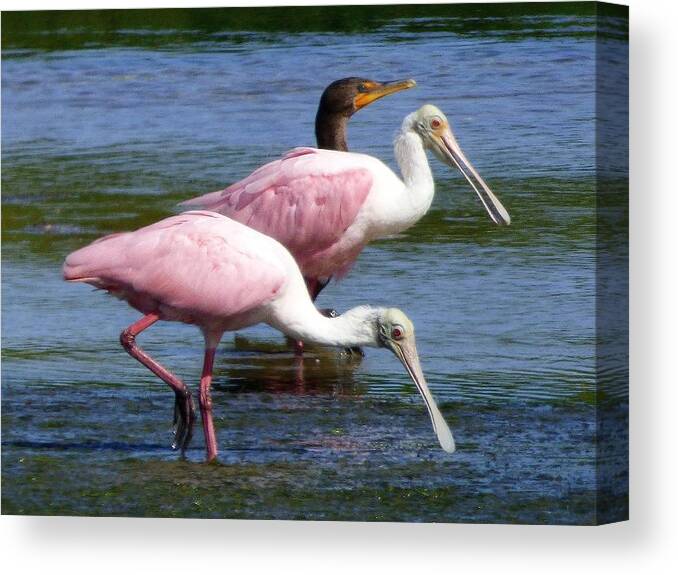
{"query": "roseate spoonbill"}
(343, 98)
(203, 268)
(324, 206)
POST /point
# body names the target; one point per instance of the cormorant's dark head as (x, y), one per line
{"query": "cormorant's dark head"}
(348, 95)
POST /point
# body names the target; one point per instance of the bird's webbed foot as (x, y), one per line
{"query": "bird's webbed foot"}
(184, 418)
(354, 352)
(328, 312)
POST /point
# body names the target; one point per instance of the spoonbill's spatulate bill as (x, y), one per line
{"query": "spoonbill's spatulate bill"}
(343, 98)
(325, 206)
(203, 268)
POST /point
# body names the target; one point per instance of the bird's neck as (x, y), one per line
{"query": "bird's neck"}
(414, 167)
(330, 131)
(412, 160)
(356, 327)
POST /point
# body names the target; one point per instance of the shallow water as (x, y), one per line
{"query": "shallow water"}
(110, 119)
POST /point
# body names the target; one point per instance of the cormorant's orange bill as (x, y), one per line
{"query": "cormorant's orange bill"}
(372, 91)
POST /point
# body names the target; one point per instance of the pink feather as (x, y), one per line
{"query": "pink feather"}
(194, 267)
(305, 200)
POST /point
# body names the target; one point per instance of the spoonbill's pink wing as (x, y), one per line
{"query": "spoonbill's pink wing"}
(306, 200)
(199, 263)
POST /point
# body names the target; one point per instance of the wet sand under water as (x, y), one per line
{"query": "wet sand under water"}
(295, 455)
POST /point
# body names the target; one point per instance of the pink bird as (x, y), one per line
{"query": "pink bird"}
(204, 269)
(325, 206)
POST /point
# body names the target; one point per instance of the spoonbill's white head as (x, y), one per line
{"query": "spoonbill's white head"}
(392, 329)
(396, 332)
(434, 129)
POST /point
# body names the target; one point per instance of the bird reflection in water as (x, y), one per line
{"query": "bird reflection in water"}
(271, 366)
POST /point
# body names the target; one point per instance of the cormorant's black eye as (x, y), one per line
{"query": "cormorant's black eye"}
(362, 88)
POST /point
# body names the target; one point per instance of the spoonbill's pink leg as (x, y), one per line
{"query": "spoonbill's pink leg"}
(206, 405)
(184, 414)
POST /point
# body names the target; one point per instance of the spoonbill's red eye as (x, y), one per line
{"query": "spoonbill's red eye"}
(435, 123)
(396, 333)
